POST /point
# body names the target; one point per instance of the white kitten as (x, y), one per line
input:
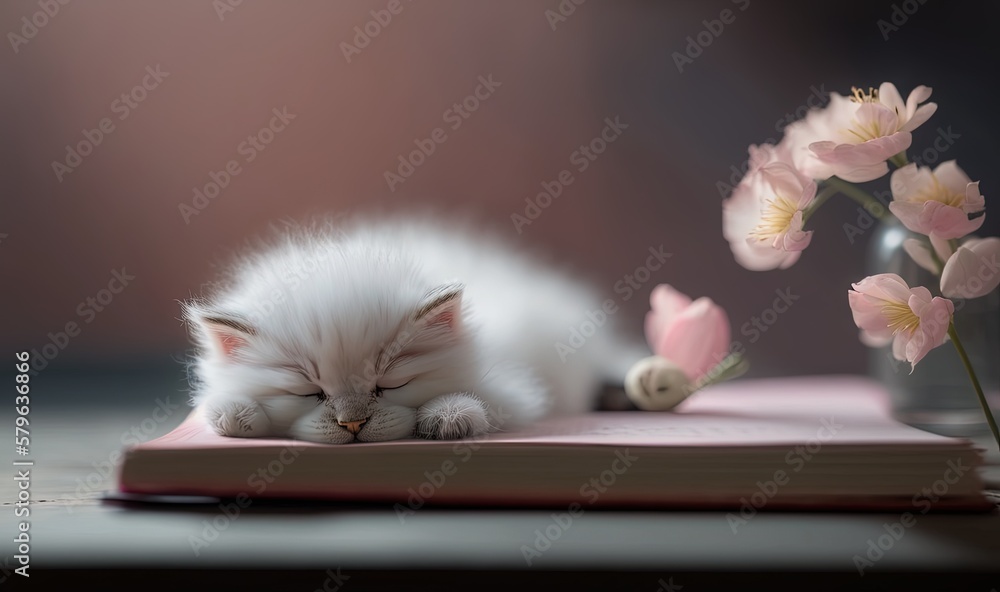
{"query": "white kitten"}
(380, 331)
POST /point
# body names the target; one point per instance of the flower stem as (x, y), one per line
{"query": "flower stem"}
(869, 203)
(937, 261)
(899, 160)
(975, 382)
(821, 197)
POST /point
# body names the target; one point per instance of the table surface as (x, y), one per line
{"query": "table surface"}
(79, 421)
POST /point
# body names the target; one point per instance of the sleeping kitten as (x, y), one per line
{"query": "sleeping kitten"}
(385, 330)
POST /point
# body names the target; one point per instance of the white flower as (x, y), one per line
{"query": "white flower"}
(763, 218)
(852, 138)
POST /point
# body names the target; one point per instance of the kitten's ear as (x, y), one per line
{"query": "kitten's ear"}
(441, 308)
(224, 333)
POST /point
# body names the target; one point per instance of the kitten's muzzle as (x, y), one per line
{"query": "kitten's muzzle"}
(352, 426)
(352, 411)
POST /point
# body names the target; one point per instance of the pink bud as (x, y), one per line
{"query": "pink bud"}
(693, 335)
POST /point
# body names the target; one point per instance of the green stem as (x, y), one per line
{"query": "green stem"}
(975, 382)
(899, 160)
(821, 197)
(869, 203)
(936, 259)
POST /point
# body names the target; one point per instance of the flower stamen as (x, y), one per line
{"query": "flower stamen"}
(900, 318)
(776, 219)
(862, 97)
(938, 192)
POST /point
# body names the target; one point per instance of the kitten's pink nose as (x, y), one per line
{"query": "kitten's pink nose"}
(353, 426)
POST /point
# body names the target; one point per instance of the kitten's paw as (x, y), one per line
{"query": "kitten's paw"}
(238, 418)
(451, 417)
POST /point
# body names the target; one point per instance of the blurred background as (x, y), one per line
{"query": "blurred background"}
(175, 93)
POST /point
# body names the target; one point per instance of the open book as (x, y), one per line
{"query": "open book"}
(824, 442)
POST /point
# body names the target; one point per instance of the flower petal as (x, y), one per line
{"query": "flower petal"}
(875, 341)
(760, 156)
(876, 117)
(665, 303)
(973, 271)
(899, 343)
(917, 95)
(757, 258)
(974, 200)
(909, 213)
(861, 162)
(920, 252)
(907, 182)
(919, 117)
(868, 317)
(867, 313)
(952, 177)
(868, 300)
(919, 298)
(889, 96)
(668, 302)
(863, 174)
(947, 221)
(884, 286)
(796, 239)
(698, 339)
(935, 320)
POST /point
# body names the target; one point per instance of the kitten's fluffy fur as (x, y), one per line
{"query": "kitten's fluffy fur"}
(375, 331)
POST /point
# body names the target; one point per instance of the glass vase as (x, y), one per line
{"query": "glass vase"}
(938, 395)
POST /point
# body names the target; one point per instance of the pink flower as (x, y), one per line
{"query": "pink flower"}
(944, 203)
(763, 218)
(887, 310)
(852, 138)
(693, 335)
(765, 154)
(974, 269)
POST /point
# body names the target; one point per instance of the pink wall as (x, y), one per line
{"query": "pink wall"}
(656, 184)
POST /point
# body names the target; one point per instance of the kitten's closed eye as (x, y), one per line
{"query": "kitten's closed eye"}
(392, 385)
(322, 396)
(380, 389)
